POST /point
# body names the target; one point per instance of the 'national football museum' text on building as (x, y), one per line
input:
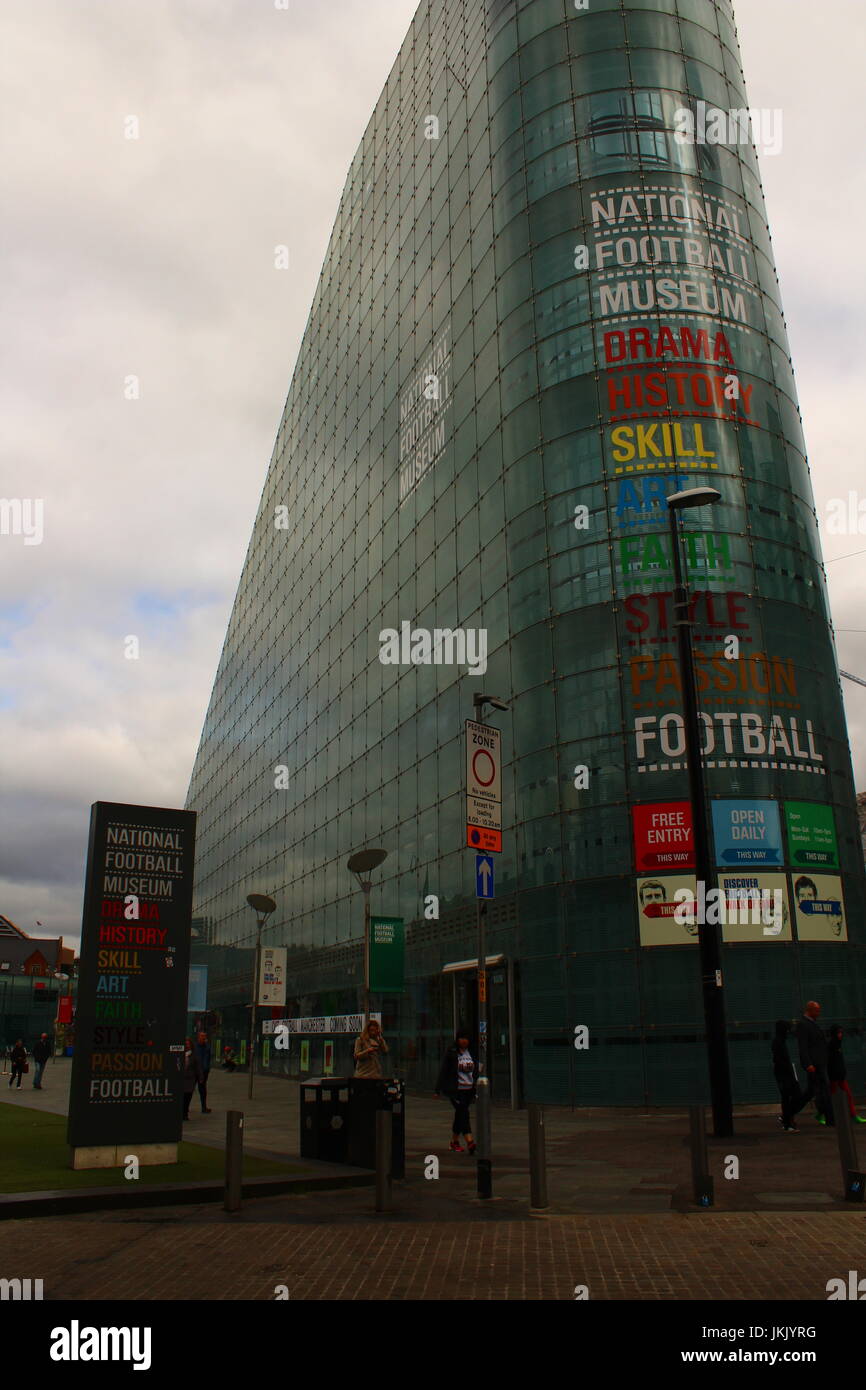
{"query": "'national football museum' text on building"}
(548, 301)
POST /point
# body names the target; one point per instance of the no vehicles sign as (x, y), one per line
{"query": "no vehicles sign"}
(483, 786)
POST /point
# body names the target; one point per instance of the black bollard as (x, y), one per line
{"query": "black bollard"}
(384, 1124)
(234, 1159)
(702, 1183)
(852, 1179)
(537, 1159)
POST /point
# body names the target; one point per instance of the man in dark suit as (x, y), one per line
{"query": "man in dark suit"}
(813, 1058)
(41, 1053)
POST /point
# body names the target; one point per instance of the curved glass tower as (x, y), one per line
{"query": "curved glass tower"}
(548, 302)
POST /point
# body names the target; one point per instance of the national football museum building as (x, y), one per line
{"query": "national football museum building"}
(548, 303)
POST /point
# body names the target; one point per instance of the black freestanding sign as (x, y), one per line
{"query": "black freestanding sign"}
(127, 1069)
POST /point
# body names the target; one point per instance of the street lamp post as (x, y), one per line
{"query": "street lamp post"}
(709, 934)
(263, 907)
(485, 1155)
(361, 865)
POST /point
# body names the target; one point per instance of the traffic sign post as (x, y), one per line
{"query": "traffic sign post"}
(483, 832)
(489, 840)
(484, 877)
(483, 787)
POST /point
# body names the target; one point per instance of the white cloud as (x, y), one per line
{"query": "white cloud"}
(152, 257)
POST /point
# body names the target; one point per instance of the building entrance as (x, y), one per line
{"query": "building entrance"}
(501, 1047)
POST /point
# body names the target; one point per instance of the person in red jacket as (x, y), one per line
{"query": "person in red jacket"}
(837, 1071)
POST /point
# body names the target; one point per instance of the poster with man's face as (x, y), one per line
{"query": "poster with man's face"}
(656, 905)
(756, 907)
(272, 982)
(819, 908)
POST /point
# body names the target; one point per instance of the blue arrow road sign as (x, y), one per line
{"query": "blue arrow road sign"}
(483, 876)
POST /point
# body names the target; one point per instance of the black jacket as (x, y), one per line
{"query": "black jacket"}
(836, 1070)
(18, 1056)
(783, 1067)
(41, 1051)
(447, 1082)
(192, 1071)
(813, 1043)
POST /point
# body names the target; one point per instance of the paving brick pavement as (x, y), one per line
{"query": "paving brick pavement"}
(663, 1256)
(619, 1220)
(615, 1161)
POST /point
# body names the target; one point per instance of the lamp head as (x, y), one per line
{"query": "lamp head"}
(261, 904)
(366, 860)
(693, 497)
(479, 701)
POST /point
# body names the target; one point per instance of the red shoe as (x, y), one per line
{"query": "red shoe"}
(455, 1147)
(471, 1147)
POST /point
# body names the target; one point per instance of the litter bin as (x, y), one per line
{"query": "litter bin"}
(366, 1096)
(324, 1111)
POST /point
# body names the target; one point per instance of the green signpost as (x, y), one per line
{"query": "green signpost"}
(811, 834)
(386, 954)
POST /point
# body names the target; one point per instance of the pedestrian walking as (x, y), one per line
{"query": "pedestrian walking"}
(457, 1077)
(229, 1063)
(838, 1072)
(204, 1059)
(18, 1060)
(41, 1053)
(370, 1047)
(793, 1098)
(192, 1073)
(813, 1057)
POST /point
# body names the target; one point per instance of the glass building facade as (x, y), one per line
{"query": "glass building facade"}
(548, 301)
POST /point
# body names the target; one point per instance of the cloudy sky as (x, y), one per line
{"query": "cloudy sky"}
(148, 265)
